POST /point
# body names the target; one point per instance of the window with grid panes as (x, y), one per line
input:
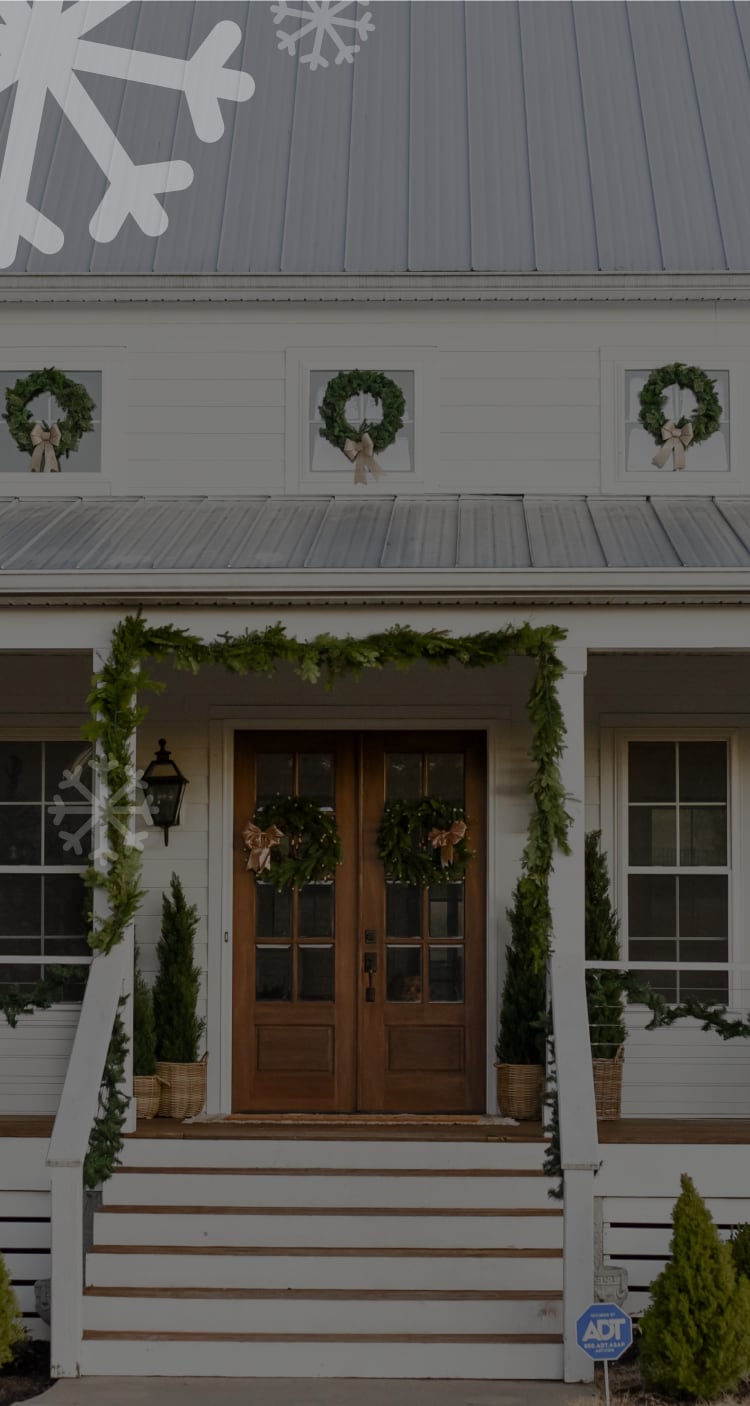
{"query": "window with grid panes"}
(325, 458)
(678, 880)
(87, 457)
(712, 456)
(43, 855)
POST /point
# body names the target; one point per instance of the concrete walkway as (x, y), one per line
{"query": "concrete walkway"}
(286, 1391)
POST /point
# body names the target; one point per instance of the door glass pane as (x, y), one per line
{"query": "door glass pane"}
(652, 902)
(403, 910)
(274, 775)
(703, 835)
(403, 776)
(404, 974)
(315, 973)
(653, 835)
(20, 771)
(703, 905)
(652, 771)
(20, 905)
(273, 912)
(273, 973)
(317, 777)
(446, 974)
(20, 834)
(447, 911)
(445, 771)
(64, 905)
(703, 771)
(315, 910)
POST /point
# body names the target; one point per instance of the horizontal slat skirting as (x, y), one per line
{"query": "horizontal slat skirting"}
(137, 1209)
(324, 1251)
(102, 1335)
(301, 1295)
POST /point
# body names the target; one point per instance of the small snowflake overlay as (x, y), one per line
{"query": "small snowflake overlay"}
(322, 19)
(83, 810)
(42, 49)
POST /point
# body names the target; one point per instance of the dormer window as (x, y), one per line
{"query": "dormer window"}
(712, 456)
(44, 410)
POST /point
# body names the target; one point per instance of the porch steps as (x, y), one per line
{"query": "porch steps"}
(335, 1259)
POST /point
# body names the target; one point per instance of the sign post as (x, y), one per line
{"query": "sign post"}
(604, 1333)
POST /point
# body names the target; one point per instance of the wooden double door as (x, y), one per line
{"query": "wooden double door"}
(360, 994)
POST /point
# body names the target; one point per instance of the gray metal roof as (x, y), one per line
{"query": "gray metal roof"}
(465, 135)
(452, 533)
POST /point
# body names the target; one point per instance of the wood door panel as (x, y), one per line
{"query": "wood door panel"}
(301, 1049)
(436, 1048)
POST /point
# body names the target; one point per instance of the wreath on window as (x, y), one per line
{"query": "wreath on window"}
(47, 442)
(675, 437)
(360, 443)
(292, 841)
(424, 842)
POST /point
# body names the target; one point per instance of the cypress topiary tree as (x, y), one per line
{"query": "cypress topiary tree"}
(740, 1243)
(11, 1323)
(604, 990)
(144, 1030)
(522, 1010)
(178, 1028)
(695, 1336)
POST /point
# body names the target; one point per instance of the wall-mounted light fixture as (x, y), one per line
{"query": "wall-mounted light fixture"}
(165, 785)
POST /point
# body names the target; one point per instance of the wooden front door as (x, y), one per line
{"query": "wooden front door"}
(307, 1037)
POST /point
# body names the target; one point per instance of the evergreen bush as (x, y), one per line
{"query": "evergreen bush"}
(144, 1030)
(523, 1025)
(11, 1325)
(178, 1028)
(604, 990)
(740, 1243)
(695, 1336)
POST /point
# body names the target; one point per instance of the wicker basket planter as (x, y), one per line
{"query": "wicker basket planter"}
(608, 1085)
(182, 1088)
(146, 1088)
(519, 1091)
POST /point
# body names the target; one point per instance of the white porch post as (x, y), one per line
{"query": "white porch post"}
(578, 1138)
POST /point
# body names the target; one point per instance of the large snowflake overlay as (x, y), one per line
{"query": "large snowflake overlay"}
(321, 19)
(87, 812)
(42, 47)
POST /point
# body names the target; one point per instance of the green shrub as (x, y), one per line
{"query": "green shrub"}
(178, 1028)
(522, 1010)
(695, 1336)
(144, 1030)
(11, 1326)
(604, 996)
(740, 1243)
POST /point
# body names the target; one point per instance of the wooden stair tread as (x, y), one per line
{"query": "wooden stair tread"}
(417, 1211)
(386, 1295)
(325, 1251)
(120, 1335)
(423, 1172)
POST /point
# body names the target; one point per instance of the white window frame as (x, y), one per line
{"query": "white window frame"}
(302, 361)
(616, 362)
(110, 362)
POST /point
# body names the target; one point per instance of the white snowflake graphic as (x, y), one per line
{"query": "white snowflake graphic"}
(42, 48)
(86, 809)
(321, 18)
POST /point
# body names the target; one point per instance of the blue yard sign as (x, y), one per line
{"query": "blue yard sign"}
(604, 1332)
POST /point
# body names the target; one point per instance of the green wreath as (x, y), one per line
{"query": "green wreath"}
(308, 847)
(406, 842)
(71, 395)
(337, 429)
(706, 419)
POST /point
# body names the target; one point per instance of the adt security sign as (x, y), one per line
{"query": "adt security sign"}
(604, 1332)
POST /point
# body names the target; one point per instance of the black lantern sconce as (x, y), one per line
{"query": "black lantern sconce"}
(164, 785)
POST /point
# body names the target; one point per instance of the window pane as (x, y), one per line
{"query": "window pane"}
(315, 973)
(651, 950)
(315, 913)
(64, 905)
(404, 974)
(704, 905)
(652, 902)
(20, 905)
(68, 835)
(19, 976)
(663, 982)
(703, 771)
(651, 771)
(71, 757)
(55, 947)
(317, 777)
(445, 771)
(403, 774)
(703, 835)
(653, 835)
(20, 771)
(446, 974)
(274, 776)
(705, 986)
(273, 912)
(403, 910)
(20, 947)
(273, 973)
(447, 911)
(20, 834)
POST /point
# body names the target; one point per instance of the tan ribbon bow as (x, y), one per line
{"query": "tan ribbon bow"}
(361, 453)
(445, 840)
(45, 443)
(676, 441)
(260, 843)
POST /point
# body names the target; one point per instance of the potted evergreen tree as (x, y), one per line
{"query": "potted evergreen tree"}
(178, 1026)
(145, 1082)
(604, 990)
(522, 1034)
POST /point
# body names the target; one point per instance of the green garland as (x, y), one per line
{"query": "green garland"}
(706, 419)
(105, 1139)
(54, 986)
(337, 429)
(404, 846)
(310, 848)
(71, 395)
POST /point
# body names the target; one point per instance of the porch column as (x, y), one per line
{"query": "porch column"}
(578, 1136)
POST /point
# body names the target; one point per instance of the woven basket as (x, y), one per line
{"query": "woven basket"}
(182, 1092)
(147, 1090)
(519, 1091)
(608, 1085)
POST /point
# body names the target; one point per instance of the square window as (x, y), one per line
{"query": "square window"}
(712, 456)
(87, 458)
(325, 458)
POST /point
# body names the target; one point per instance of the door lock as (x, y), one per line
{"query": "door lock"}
(370, 966)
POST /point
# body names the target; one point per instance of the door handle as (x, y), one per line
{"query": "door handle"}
(370, 966)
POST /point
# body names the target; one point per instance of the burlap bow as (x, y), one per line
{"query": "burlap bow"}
(360, 451)
(45, 443)
(260, 843)
(446, 840)
(676, 440)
